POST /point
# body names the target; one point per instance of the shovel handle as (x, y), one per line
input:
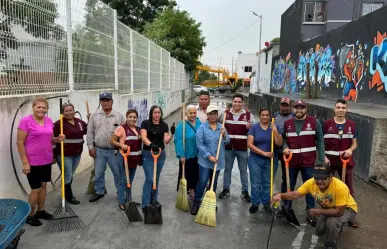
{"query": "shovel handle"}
(155, 156)
(344, 161)
(287, 161)
(125, 155)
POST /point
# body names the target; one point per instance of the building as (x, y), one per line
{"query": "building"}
(245, 64)
(306, 19)
(266, 57)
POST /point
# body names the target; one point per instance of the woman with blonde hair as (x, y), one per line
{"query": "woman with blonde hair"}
(34, 142)
(189, 154)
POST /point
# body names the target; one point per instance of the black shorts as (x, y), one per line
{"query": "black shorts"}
(39, 174)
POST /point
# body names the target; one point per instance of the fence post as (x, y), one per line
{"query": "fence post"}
(169, 71)
(115, 41)
(161, 68)
(149, 66)
(69, 32)
(131, 62)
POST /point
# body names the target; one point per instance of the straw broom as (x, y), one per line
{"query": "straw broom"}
(207, 211)
(182, 197)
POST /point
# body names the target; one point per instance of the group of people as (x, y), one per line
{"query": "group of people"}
(316, 151)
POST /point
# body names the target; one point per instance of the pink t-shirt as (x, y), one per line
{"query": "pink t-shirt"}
(38, 142)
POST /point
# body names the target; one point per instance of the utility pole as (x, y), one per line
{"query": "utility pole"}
(232, 66)
(258, 76)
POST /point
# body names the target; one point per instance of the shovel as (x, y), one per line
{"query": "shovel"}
(153, 213)
(344, 171)
(130, 206)
(287, 211)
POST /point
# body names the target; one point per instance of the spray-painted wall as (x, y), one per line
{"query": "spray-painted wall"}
(351, 62)
(170, 101)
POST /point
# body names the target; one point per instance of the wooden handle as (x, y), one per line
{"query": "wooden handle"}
(343, 173)
(183, 120)
(183, 170)
(127, 174)
(287, 177)
(87, 108)
(217, 152)
(154, 174)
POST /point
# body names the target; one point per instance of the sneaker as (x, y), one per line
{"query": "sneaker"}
(253, 209)
(267, 209)
(195, 207)
(43, 215)
(32, 221)
(225, 193)
(245, 196)
(312, 220)
(96, 197)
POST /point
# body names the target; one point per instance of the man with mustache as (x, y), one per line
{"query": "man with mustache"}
(340, 139)
(303, 136)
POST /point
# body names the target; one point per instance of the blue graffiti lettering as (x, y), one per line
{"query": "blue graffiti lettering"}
(378, 61)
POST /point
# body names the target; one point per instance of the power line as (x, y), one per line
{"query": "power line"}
(233, 37)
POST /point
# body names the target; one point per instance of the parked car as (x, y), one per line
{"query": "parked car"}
(198, 88)
(224, 89)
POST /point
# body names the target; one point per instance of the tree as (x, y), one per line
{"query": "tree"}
(276, 39)
(27, 14)
(178, 33)
(136, 13)
(205, 75)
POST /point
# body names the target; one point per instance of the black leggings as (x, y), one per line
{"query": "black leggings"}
(191, 173)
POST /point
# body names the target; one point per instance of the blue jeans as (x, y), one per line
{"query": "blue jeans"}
(70, 165)
(204, 175)
(147, 165)
(102, 158)
(242, 157)
(306, 173)
(123, 192)
(260, 179)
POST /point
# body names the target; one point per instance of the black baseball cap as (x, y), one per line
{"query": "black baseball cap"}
(322, 171)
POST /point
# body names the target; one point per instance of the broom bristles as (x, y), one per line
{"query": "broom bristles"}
(182, 197)
(207, 211)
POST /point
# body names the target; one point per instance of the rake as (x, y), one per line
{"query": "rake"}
(65, 219)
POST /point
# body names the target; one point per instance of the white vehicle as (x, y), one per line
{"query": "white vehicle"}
(198, 88)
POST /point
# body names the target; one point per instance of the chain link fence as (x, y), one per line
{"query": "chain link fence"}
(39, 38)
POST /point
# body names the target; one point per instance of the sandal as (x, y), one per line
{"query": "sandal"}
(121, 207)
(353, 224)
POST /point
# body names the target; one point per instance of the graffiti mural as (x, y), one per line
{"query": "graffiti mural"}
(161, 99)
(284, 75)
(378, 65)
(352, 64)
(142, 108)
(326, 66)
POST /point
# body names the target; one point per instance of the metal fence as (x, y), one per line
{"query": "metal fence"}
(39, 38)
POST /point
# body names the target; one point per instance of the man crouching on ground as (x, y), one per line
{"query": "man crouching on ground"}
(337, 205)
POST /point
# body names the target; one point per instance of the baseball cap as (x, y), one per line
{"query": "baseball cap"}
(105, 95)
(299, 102)
(285, 100)
(322, 171)
(212, 108)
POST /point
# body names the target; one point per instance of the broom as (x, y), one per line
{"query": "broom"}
(65, 219)
(182, 197)
(207, 211)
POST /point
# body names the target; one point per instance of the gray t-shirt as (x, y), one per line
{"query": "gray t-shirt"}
(279, 120)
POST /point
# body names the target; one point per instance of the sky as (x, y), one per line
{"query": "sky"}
(224, 19)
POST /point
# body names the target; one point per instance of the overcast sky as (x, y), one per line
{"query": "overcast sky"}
(223, 19)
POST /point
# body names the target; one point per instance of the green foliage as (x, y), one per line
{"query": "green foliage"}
(136, 13)
(205, 75)
(28, 15)
(178, 33)
(276, 39)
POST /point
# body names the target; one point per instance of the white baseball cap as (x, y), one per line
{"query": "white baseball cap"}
(212, 108)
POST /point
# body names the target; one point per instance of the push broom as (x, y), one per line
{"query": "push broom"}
(65, 219)
(207, 211)
(182, 197)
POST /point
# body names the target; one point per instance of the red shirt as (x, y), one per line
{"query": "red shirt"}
(73, 144)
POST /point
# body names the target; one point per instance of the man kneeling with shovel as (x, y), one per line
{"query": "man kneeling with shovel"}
(337, 205)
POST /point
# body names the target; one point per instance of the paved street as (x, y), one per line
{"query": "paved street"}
(108, 227)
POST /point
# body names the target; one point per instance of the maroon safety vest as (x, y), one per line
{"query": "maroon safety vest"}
(334, 144)
(73, 144)
(302, 145)
(237, 130)
(134, 142)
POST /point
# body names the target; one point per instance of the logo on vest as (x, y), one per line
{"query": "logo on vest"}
(330, 128)
(349, 130)
(308, 127)
(80, 126)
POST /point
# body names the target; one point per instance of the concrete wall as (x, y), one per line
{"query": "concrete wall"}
(370, 156)
(170, 101)
(361, 44)
(248, 59)
(266, 64)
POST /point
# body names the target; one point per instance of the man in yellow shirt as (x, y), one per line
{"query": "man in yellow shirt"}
(337, 205)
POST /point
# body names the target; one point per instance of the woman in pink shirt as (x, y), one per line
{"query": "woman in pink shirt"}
(34, 142)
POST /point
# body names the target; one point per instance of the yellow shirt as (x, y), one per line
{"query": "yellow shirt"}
(336, 195)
